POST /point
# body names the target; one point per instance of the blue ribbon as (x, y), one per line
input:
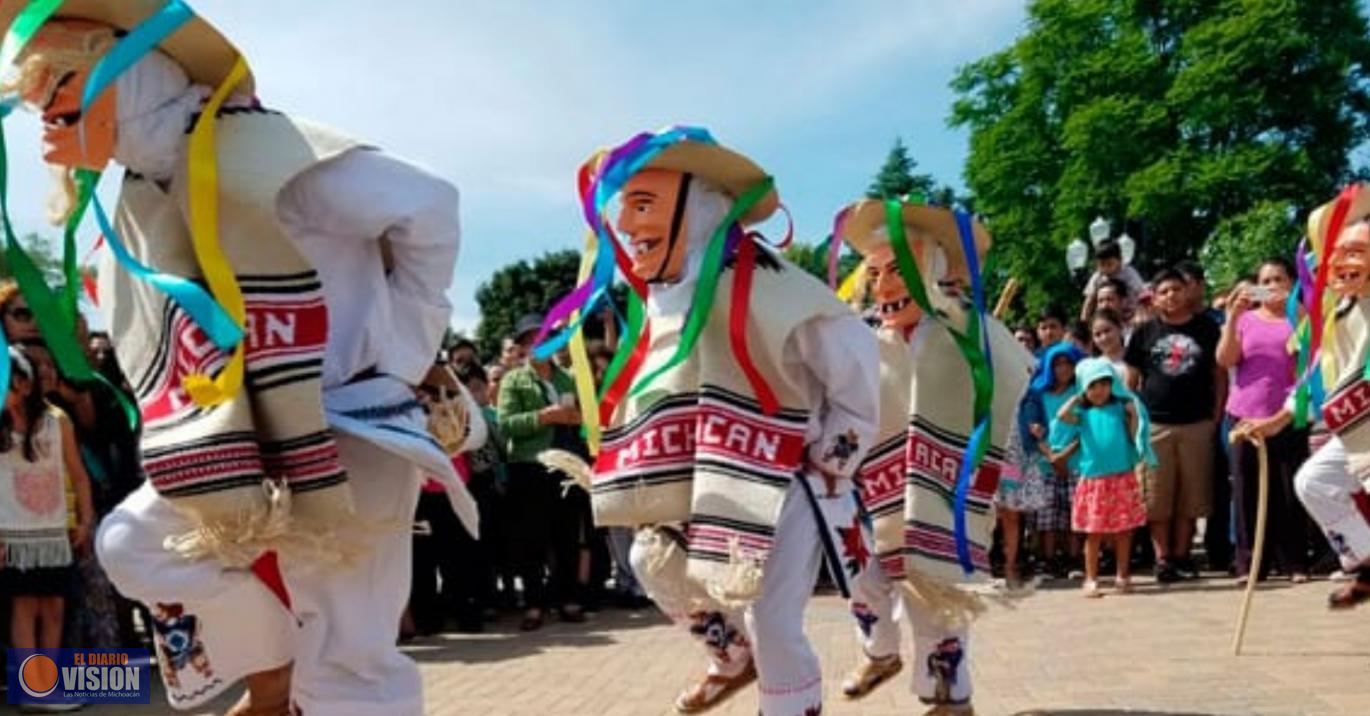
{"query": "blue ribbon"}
(620, 166)
(138, 42)
(980, 434)
(193, 298)
(5, 361)
(549, 347)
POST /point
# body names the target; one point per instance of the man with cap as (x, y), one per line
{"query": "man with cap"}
(536, 409)
(909, 479)
(1332, 482)
(733, 430)
(282, 439)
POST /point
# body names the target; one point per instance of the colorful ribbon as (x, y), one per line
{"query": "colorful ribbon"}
(580, 361)
(852, 283)
(701, 305)
(973, 344)
(203, 185)
(56, 318)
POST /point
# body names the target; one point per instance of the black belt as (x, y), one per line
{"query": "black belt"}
(364, 375)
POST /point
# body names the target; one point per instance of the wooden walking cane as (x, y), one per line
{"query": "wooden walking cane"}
(1253, 573)
(1006, 297)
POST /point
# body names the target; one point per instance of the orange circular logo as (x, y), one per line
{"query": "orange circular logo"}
(38, 676)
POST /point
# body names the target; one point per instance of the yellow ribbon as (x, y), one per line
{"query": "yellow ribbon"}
(580, 359)
(204, 231)
(852, 283)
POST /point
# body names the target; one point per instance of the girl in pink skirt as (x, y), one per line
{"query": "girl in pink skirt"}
(1107, 429)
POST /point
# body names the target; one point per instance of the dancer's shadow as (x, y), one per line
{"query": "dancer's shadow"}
(503, 641)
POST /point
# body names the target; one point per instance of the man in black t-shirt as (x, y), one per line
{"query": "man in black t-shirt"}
(1172, 367)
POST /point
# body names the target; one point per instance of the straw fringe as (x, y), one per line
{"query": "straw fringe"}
(949, 604)
(238, 542)
(741, 582)
(567, 463)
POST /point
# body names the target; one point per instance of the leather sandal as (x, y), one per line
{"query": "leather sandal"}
(869, 674)
(713, 690)
(1352, 594)
(267, 694)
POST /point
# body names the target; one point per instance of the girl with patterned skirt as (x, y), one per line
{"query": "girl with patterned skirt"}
(1052, 385)
(1107, 428)
(1022, 487)
(38, 454)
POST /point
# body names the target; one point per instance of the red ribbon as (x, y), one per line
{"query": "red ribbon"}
(1334, 227)
(737, 324)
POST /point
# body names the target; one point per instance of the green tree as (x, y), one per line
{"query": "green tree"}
(813, 258)
(522, 288)
(1178, 117)
(1240, 243)
(896, 177)
(45, 256)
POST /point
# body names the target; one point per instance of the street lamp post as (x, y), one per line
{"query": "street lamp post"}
(1099, 231)
(1077, 255)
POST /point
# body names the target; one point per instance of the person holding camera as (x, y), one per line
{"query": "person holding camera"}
(1254, 345)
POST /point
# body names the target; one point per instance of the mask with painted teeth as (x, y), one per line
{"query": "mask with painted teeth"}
(896, 309)
(1351, 261)
(652, 226)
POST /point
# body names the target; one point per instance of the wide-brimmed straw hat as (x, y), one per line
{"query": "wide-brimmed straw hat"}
(864, 220)
(205, 54)
(729, 170)
(1317, 221)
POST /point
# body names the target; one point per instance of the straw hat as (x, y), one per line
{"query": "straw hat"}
(205, 54)
(1317, 221)
(731, 171)
(866, 218)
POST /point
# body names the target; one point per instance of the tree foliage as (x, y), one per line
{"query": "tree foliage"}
(896, 177)
(813, 258)
(1239, 244)
(519, 289)
(522, 288)
(45, 256)
(1171, 118)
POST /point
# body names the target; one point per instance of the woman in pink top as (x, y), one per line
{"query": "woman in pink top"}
(1255, 348)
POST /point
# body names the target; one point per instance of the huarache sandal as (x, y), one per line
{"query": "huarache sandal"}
(713, 690)
(869, 674)
(1351, 594)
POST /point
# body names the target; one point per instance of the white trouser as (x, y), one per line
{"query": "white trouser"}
(941, 656)
(343, 646)
(771, 630)
(1337, 501)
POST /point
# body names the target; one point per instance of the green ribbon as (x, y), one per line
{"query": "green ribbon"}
(24, 27)
(966, 342)
(701, 306)
(636, 317)
(56, 319)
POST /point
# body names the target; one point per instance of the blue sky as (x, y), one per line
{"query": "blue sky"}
(507, 98)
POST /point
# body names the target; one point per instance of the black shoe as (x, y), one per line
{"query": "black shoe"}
(572, 614)
(1187, 568)
(1166, 574)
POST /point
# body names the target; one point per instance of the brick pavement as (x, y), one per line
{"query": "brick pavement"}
(1154, 653)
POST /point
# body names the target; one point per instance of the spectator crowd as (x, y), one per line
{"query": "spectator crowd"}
(1201, 362)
